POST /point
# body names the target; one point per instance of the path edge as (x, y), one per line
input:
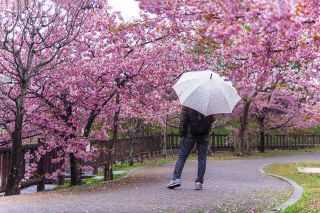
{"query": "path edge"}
(128, 174)
(298, 191)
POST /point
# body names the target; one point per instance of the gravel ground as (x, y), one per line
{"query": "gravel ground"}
(230, 186)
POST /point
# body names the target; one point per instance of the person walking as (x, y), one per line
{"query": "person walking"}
(194, 129)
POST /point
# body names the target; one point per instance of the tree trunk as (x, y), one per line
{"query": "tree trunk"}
(109, 172)
(262, 142)
(61, 179)
(41, 173)
(14, 177)
(75, 175)
(61, 176)
(131, 149)
(74, 171)
(243, 126)
(165, 137)
(262, 133)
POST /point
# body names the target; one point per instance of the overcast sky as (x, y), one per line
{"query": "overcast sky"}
(128, 8)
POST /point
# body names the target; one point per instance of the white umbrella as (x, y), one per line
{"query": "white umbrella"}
(206, 92)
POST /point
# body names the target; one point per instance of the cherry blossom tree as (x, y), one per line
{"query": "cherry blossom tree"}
(289, 106)
(32, 42)
(253, 43)
(112, 64)
(73, 71)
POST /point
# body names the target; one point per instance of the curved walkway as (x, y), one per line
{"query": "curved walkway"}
(230, 186)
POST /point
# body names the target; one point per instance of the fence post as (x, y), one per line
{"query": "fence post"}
(213, 142)
(2, 170)
(6, 167)
(95, 170)
(314, 140)
(267, 141)
(141, 157)
(61, 179)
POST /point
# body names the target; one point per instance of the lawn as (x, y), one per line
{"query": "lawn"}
(94, 181)
(310, 201)
(255, 154)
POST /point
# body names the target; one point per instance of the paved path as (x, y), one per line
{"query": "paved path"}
(230, 186)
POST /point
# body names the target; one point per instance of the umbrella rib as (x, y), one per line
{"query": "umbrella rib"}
(223, 91)
(192, 93)
(208, 102)
(224, 97)
(196, 88)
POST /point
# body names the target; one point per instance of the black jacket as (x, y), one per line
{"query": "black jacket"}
(184, 127)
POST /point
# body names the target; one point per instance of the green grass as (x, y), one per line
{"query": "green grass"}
(255, 154)
(89, 181)
(154, 162)
(221, 130)
(315, 130)
(125, 166)
(159, 162)
(64, 186)
(310, 201)
(95, 181)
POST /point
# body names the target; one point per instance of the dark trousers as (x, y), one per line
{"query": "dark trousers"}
(187, 145)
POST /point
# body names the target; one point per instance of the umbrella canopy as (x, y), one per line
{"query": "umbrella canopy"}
(206, 92)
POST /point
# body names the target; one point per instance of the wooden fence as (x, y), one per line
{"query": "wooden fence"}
(44, 166)
(219, 142)
(148, 145)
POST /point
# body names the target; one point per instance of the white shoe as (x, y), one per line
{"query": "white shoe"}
(198, 186)
(174, 183)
